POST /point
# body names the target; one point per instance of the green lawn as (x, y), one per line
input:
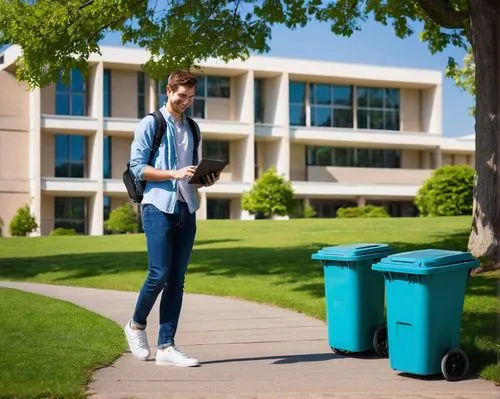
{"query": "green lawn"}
(49, 346)
(264, 261)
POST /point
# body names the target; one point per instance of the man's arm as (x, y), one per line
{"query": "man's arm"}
(140, 152)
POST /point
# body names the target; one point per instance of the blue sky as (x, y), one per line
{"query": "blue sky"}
(377, 45)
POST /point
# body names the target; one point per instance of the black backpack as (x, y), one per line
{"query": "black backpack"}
(135, 188)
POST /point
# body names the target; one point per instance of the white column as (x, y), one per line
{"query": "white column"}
(247, 115)
(35, 157)
(201, 214)
(283, 152)
(152, 96)
(96, 148)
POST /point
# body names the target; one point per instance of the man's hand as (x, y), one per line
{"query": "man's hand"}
(185, 173)
(210, 179)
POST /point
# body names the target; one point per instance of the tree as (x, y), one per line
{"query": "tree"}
(23, 222)
(122, 220)
(57, 35)
(270, 195)
(448, 192)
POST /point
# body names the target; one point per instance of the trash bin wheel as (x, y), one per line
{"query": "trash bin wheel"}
(455, 365)
(380, 341)
(340, 351)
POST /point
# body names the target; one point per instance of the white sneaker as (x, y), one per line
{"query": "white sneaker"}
(137, 342)
(172, 356)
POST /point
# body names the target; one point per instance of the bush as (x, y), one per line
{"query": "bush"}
(448, 192)
(368, 211)
(270, 195)
(23, 222)
(122, 220)
(62, 231)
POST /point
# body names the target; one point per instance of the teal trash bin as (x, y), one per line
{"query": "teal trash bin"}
(354, 295)
(425, 293)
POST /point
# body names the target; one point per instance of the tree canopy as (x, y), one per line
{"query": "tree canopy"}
(57, 35)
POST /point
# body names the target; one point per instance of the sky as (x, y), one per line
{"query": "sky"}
(375, 44)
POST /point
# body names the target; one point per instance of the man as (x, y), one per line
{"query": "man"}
(168, 217)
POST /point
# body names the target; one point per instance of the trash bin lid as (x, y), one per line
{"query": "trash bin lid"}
(353, 252)
(426, 261)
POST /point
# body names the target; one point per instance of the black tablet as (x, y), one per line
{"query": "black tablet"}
(205, 167)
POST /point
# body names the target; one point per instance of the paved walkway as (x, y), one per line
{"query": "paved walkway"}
(249, 351)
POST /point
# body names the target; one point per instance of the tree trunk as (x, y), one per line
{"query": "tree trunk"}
(485, 38)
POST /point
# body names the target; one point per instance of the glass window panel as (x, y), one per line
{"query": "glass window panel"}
(344, 157)
(376, 98)
(321, 116)
(77, 81)
(198, 109)
(76, 170)
(77, 148)
(297, 115)
(342, 95)
(362, 94)
(141, 82)
(218, 87)
(342, 117)
(216, 149)
(259, 100)
(392, 120)
(392, 98)
(323, 156)
(218, 208)
(297, 92)
(376, 119)
(107, 93)
(77, 105)
(362, 119)
(321, 94)
(200, 87)
(78, 208)
(61, 144)
(106, 173)
(377, 158)
(310, 155)
(363, 157)
(62, 104)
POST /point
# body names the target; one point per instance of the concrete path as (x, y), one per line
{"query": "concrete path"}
(249, 351)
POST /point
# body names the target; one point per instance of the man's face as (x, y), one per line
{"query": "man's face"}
(181, 99)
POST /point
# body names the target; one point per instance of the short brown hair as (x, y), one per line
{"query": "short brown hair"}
(181, 78)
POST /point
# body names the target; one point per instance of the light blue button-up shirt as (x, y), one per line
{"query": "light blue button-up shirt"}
(161, 194)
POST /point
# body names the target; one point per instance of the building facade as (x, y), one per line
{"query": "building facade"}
(343, 134)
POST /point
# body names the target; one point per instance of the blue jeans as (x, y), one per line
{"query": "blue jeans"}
(170, 239)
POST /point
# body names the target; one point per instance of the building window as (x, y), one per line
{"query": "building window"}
(106, 209)
(106, 167)
(70, 151)
(378, 108)
(218, 209)
(353, 157)
(71, 98)
(141, 94)
(297, 103)
(215, 149)
(331, 105)
(107, 93)
(259, 100)
(70, 213)
(217, 86)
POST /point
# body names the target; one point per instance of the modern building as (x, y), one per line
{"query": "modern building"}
(341, 133)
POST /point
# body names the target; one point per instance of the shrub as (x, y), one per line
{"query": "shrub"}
(62, 231)
(122, 220)
(448, 192)
(270, 195)
(23, 222)
(368, 211)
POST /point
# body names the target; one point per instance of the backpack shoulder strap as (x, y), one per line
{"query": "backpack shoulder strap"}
(160, 126)
(195, 130)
